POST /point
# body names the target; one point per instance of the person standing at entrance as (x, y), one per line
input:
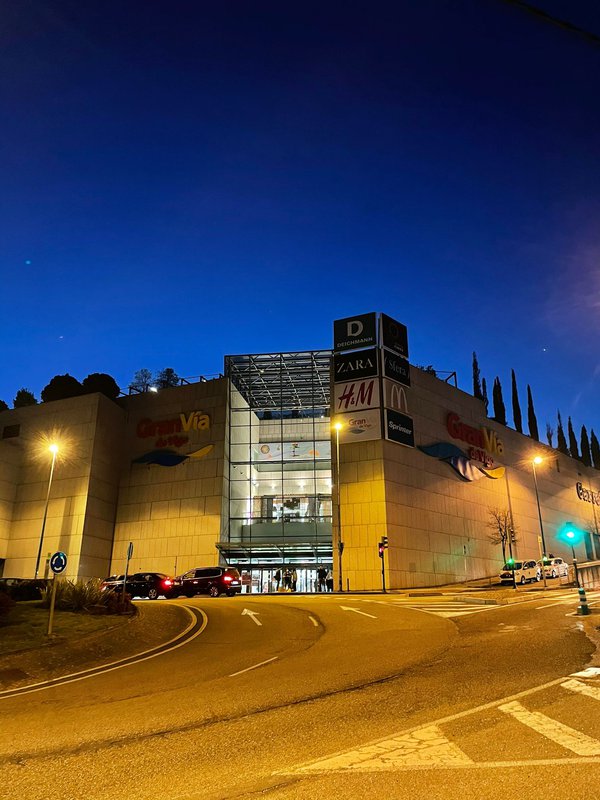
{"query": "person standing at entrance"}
(277, 579)
(321, 576)
(294, 580)
(287, 580)
(329, 580)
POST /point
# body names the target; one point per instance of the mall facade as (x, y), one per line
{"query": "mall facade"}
(243, 470)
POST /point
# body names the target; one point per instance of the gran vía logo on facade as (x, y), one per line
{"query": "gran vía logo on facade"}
(173, 433)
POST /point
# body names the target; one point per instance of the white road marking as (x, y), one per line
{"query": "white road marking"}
(254, 666)
(425, 747)
(357, 611)
(589, 672)
(314, 621)
(582, 688)
(253, 616)
(113, 665)
(566, 737)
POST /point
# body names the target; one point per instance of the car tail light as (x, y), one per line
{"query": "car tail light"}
(167, 582)
(227, 578)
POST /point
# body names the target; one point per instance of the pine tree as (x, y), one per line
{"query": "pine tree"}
(486, 400)
(549, 434)
(531, 418)
(573, 449)
(517, 418)
(595, 448)
(561, 442)
(586, 455)
(476, 378)
(497, 400)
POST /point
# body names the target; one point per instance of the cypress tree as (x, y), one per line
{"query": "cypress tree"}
(586, 455)
(499, 407)
(531, 418)
(595, 448)
(517, 418)
(476, 378)
(486, 400)
(573, 449)
(561, 443)
(549, 434)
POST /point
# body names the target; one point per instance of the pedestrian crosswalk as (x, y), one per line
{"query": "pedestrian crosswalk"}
(447, 606)
(557, 723)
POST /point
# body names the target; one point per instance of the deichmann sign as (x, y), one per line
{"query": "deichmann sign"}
(396, 368)
(362, 426)
(399, 428)
(353, 333)
(587, 494)
(356, 395)
(349, 366)
(394, 335)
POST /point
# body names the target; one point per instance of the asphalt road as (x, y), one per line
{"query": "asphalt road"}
(329, 696)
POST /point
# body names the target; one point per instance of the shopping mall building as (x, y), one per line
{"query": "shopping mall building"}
(242, 470)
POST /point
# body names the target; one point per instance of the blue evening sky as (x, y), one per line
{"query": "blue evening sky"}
(184, 179)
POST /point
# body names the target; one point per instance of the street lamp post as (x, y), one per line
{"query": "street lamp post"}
(340, 542)
(535, 461)
(54, 450)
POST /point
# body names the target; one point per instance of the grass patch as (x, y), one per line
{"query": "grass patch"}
(27, 623)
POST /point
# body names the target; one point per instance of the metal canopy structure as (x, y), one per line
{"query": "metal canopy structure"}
(287, 381)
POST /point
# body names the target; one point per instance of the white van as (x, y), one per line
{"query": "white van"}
(524, 571)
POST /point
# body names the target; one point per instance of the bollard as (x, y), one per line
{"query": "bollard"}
(583, 609)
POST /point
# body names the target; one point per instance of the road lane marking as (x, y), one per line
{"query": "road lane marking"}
(145, 655)
(424, 747)
(357, 611)
(254, 666)
(569, 738)
(253, 616)
(314, 621)
(582, 688)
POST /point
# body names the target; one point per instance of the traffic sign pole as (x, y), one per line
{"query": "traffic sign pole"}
(52, 603)
(129, 554)
(58, 564)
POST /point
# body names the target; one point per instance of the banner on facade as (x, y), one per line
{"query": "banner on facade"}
(353, 366)
(362, 426)
(394, 335)
(356, 395)
(394, 396)
(352, 333)
(399, 428)
(292, 451)
(395, 367)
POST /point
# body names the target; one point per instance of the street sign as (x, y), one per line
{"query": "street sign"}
(352, 333)
(58, 563)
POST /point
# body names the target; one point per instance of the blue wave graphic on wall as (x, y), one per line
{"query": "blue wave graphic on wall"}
(442, 450)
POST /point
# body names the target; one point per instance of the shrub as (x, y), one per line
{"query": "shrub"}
(85, 595)
(6, 605)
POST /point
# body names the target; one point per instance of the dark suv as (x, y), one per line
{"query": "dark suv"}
(208, 580)
(141, 584)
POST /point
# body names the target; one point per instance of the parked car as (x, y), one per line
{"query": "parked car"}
(554, 567)
(141, 584)
(208, 580)
(524, 571)
(23, 588)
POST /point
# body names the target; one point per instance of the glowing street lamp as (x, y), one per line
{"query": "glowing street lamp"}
(536, 462)
(337, 427)
(53, 448)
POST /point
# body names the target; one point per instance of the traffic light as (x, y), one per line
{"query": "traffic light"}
(510, 563)
(570, 534)
(384, 541)
(381, 549)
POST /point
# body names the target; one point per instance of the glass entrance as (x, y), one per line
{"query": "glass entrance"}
(285, 578)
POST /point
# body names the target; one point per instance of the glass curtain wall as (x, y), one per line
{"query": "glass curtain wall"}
(280, 507)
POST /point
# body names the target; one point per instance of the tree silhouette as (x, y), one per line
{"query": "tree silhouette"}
(573, 450)
(101, 382)
(549, 434)
(476, 378)
(561, 442)
(501, 531)
(486, 400)
(517, 418)
(24, 398)
(142, 380)
(167, 378)
(61, 387)
(3, 406)
(531, 419)
(595, 448)
(499, 407)
(586, 455)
